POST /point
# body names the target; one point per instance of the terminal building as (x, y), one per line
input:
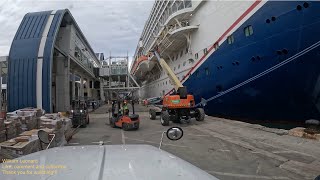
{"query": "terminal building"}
(51, 63)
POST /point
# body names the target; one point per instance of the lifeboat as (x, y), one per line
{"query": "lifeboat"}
(143, 65)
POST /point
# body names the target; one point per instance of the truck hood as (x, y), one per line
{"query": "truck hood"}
(116, 162)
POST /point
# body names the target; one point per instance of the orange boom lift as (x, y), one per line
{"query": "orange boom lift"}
(180, 106)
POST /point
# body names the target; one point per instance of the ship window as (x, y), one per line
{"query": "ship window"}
(216, 46)
(196, 56)
(205, 51)
(179, 66)
(166, 82)
(181, 54)
(177, 57)
(248, 31)
(186, 50)
(230, 39)
(207, 71)
(174, 68)
(184, 63)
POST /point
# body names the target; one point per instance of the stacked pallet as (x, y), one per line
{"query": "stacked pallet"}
(21, 127)
(2, 131)
(301, 132)
(10, 129)
(24, 144)
(59, 126)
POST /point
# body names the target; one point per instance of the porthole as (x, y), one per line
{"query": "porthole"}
(268, 21)
(305, 5)
(299, 8)
(284, 51)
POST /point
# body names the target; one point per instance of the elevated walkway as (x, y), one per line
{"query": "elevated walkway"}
(117, 81)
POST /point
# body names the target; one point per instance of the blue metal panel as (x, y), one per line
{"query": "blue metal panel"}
(22, 65)
(47, 61)
(23, 59)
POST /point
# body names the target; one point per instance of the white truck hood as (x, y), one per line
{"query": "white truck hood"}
(116, 162)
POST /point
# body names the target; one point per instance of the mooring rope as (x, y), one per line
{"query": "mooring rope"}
(292, 58)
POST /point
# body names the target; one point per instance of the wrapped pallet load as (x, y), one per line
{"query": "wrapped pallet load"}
(10, 129)
(24, 144)
(2, 130)
(57, 125)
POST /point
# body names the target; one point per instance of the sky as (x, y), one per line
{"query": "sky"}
(109, 25)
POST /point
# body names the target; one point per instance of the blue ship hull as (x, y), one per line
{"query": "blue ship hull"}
(289, 92)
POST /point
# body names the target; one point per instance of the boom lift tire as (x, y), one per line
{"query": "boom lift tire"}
(175, 118)
(165, 118)
(200, 114)
(125, 126)
(153, 114)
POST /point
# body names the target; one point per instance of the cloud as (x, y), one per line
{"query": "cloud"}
(108, 25)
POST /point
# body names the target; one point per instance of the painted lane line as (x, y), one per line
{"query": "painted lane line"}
(123, 138)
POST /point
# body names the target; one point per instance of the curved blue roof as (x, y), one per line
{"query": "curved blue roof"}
(25, 53)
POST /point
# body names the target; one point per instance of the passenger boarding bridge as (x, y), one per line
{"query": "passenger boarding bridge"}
(117, 81)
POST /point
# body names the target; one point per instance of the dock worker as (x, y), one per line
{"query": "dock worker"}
(125, 108)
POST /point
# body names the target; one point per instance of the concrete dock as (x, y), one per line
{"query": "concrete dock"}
(224, 148)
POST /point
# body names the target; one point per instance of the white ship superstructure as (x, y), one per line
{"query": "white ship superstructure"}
(241, 59)
(184, 31)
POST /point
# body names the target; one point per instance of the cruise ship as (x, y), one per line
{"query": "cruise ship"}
(256, 60)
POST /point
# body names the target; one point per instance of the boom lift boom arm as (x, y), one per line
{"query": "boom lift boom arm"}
(176, 82)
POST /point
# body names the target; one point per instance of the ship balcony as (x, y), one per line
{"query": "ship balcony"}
(140, 46)
(180, 14)
(180, 11)
(176, 37)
